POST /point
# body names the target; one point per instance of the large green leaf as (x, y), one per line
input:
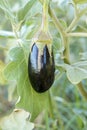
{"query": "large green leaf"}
(17, 70)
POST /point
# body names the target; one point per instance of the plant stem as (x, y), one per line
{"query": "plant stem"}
(77, 34)
(66, 51)
(47, 123)
(51, 104)
(63, 35)
(45, 16)
(6, 34)
(82, 90)
(76, 19)
(56, 21)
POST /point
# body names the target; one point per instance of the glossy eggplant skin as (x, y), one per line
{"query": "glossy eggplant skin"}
(41, 68)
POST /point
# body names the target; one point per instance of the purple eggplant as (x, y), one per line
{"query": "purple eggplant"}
(41, 68)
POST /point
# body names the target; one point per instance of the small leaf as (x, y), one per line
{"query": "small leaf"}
(16, 54)
(25, 9)
(58, 45)
(63, 23)
(17, 120)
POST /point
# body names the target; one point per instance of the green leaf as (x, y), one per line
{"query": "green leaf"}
(76, 72)
(16, 54)
(11, 71)
(22, 13)
(82, 64)
(63, 23)
(18, 119)
(18, 70)
(80, 1)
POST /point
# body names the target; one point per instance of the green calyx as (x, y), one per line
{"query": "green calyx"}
(43, 37)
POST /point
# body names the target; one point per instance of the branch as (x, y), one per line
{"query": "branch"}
(77, 34)
(6, 34)
(82, 90)
(45, 15)
(55, 19)
(76, 19)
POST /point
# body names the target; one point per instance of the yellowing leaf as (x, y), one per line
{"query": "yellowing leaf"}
(17, 120)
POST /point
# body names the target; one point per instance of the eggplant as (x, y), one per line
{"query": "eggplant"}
(41, 68)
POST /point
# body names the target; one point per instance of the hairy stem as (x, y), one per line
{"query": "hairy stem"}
(45, 15)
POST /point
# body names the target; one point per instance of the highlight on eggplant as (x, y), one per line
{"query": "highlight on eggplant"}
(41, 68)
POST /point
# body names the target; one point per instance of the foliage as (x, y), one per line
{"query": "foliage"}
(63, 104)
(14, 121)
